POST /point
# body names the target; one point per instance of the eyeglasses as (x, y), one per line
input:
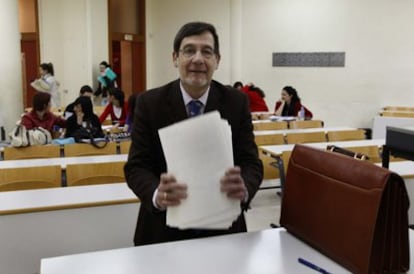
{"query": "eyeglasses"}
(207, 53)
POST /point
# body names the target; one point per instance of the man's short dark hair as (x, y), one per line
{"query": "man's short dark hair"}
(41, 100)
(85, 89)
(196, 28)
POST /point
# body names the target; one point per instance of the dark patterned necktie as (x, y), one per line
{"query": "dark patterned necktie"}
(194, 108)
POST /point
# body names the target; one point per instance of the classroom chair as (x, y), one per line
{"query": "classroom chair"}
(346, 135)
(305, 124)
(73, 150)
(124, 146)
(270, 125)
(31, 152)
(30, 178)
(406, 114)
(269, 139)
(94, 173)
(308, 137)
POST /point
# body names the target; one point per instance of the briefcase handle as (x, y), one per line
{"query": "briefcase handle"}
(355, 155)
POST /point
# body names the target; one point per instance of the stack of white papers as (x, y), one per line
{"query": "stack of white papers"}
(198, 151)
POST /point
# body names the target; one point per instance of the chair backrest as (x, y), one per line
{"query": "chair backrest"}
(305, 124)
(124, 146)
(398, 114)
(95, 173)
(269, 139)
(31, 152)
(30, 178)
(270, 125)
(346, 135)
(72, 150)
(398, 108)
(308, 137)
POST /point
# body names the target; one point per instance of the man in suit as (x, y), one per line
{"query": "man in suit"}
(196, 55)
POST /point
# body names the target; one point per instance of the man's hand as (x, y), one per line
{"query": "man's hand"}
(170, 192)
(233, 185)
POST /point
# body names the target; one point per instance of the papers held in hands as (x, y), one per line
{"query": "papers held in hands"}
(198, 151)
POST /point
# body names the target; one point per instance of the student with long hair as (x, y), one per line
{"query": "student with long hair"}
(83, 118)
(117, 107)
(290, 104)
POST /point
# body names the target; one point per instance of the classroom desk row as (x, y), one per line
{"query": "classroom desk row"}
(67, 150)
(61, 172)
(64, 161)
(57, 221)
(268, 251)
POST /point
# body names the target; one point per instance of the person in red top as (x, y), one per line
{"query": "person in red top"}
(256, 98)
(40, 115)
(117, 107)
(290, 104)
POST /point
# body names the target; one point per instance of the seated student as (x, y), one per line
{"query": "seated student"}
(84, 91)
(83, 118)
(290, 104)
(41, 116)
(256, 98)
(117, 108)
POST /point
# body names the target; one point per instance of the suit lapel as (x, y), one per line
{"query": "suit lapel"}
(175, 103)
(214, 100)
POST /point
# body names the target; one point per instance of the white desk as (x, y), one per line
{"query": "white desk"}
(64, 161)
(53, 222)
(276, 150)
(301, 130)
(380, 123)
(268, 251)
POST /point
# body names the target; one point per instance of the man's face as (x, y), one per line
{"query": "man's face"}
(196, 62)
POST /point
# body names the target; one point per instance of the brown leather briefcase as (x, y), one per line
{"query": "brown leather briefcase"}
(352, 211)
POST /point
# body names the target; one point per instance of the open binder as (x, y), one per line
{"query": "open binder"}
(352, 211)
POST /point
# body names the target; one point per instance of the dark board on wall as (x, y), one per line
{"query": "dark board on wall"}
(308, 59)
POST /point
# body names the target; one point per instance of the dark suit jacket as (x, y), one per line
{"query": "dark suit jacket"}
(164, 106)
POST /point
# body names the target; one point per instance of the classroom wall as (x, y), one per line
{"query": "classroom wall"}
(11, 102)
(376, 36)
(162, 24)
(74, 37)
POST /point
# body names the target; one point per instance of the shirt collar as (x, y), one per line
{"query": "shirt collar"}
(187, 98)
